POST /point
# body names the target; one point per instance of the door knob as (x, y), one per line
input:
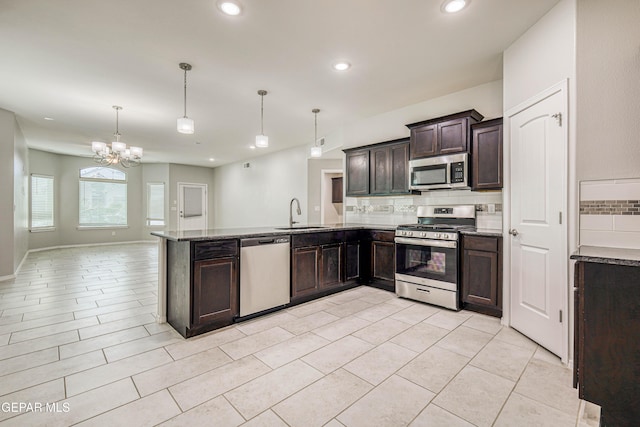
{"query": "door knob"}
(513, 232)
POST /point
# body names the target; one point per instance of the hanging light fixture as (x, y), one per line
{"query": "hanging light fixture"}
(185, 124)
(118, 153)
(262, 140)
(316, 150)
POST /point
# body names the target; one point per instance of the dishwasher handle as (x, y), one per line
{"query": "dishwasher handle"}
(260, 241)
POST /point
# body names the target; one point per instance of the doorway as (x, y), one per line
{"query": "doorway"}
(331, 203)
(192, 206)
(536, 231)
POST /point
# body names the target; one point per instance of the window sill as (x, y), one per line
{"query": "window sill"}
(98, 227)
(42, 229)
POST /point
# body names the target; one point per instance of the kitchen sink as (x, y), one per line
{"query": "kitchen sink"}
(302, 227)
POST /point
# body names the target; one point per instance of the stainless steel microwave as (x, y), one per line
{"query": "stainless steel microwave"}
(439, 172)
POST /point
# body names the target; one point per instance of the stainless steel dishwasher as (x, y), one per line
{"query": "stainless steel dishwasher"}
(264, 273)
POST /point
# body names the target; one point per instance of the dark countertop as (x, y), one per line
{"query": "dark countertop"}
(602, 255)
(489, 232)
(248, 232)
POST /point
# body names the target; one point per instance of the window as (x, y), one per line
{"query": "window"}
(155, 203)
(41, 202)
(103, 197)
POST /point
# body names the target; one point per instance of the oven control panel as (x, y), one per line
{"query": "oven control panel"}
(427, 235)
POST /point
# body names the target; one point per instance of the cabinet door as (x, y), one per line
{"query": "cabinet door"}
(336, 190)
(486, 155)
(304, 271)
(383, 260)
(424, 141)
(480, 278)
(380, 181)
(357, 173)
(352, 261)
(399, 159)
(215, 290)
(452, 136)
(332, 269)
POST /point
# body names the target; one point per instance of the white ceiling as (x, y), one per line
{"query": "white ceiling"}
(73, 59)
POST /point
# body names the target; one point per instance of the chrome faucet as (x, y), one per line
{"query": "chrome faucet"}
(291, 221)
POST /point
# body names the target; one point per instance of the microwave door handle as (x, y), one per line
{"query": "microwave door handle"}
(426, 242)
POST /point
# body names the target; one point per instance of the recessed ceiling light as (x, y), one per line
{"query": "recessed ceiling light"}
(49, 118)
(253, 147)
(211, 159)
(341, 66)
(231, 8)
(453, 6)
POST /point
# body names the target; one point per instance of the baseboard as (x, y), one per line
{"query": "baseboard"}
(9, 277)
(89, 244)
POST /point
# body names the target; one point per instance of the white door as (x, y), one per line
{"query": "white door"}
(538, 145)
(192, 206)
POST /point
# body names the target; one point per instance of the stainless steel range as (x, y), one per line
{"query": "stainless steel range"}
(427, 254)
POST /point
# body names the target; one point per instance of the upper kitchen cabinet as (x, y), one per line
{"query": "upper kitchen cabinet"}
(357, 172)
(387, 169)
(443, 135)
(486, 155)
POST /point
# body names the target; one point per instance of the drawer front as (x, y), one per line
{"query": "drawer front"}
(330, 237)
(217, 249)
(480, 243)
(304, 240)
(383, 236)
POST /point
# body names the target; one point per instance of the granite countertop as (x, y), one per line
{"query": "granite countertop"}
(602, 255)
(248, 232)
(489, 232)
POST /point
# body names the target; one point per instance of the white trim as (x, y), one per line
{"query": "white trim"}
(562, 86)
(41, 229)
(100, 227)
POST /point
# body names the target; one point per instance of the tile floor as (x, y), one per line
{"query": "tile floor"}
(77, 332)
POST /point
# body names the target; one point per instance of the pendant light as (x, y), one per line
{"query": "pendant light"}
(316, 150)
(262, 140)
(185, 124)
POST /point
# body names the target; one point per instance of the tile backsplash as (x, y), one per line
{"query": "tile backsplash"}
(402, 209)
(610, 213)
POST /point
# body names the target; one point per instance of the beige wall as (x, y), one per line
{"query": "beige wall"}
(7, 120)
(608, 71)
(259, 195)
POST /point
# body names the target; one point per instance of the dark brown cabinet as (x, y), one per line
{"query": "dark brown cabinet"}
(443, 135)
(323, 263)
(215, 297)
(332, 269)
(387, 169)
(202, 285)
(486, 155)
(357, 163)
(383, 260)
(606, 344)
(336, 190)
(304, 271)
(482, 274)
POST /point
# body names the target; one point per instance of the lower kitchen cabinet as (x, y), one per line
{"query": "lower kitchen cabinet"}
(322, 263)
(383, 258)
(202, 285)
(215, 294)
(304, 271)
(332, 268)
(606, 344)
(482, 274)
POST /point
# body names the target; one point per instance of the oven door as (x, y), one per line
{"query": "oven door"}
(427, 261)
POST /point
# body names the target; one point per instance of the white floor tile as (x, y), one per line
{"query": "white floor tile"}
(101, 342)
(256, 342)
(105, 374)
(118, 325)
(267, 419)
(141, 345)
(215, 412)
(52, 391)
(30, 360)
(204, 342)
(380, 363)
(337, 354)
(291, 349)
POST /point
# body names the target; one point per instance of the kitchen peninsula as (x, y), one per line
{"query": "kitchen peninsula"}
(199, 271)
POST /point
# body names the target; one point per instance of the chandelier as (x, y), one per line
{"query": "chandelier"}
(118, 153)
